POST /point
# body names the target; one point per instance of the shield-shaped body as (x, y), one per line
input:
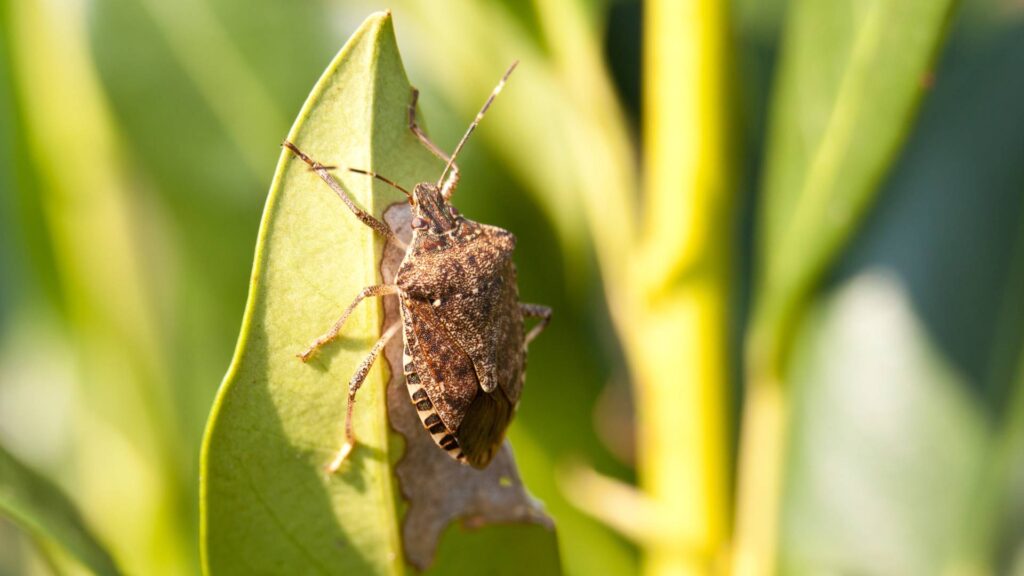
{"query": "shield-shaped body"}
(463, 330)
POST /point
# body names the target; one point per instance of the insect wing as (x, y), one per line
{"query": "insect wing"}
(444, 369)
(486, 318)
(483, 427)
(446, 372)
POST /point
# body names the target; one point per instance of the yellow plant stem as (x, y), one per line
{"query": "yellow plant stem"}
(677, 341)
(762, 451)
(679, 362)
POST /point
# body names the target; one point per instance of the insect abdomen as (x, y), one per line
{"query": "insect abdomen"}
(443, 382)
(427, 413)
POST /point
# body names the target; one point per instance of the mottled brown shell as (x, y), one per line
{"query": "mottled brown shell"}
(463, 332)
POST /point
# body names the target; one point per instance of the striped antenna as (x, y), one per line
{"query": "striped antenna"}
(387, 181)
(479, 116)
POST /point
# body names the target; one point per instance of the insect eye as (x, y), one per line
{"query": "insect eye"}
(419, 223)
(453, 211)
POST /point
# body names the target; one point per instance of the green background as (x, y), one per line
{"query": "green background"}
(138, 140)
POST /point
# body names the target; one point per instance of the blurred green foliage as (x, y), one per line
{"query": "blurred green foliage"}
(39, 508)
(137, 143)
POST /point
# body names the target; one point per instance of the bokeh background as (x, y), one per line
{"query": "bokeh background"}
(137, 143)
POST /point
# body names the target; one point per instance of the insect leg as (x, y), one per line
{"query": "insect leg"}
(535, 311)
(330, 336)
(415, 127)
(453, 178)
(353, 387)
(324, 173)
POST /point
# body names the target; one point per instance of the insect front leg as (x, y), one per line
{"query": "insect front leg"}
(330, 336)
(365, 217)
(453, 177)
(535, 311)
(353, 386)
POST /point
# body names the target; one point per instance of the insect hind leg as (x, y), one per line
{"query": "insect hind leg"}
(353, 386)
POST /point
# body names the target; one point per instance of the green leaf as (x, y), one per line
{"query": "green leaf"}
(851, 77)
(890, 441)
(906, 377)
(853, 73)
(267, 504)
(497, 551)
(39, 507)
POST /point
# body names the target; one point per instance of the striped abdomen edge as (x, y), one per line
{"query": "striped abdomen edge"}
(433, 424)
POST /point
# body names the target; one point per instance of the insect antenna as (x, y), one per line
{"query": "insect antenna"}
(479, 116)
(391, 183)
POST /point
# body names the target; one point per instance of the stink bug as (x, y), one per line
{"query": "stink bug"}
(462, 323)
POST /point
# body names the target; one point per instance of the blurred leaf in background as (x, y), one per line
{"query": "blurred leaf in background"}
(908, 439)
(846, 94)
(49, 517)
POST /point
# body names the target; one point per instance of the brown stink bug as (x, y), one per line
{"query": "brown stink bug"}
(462, 322)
